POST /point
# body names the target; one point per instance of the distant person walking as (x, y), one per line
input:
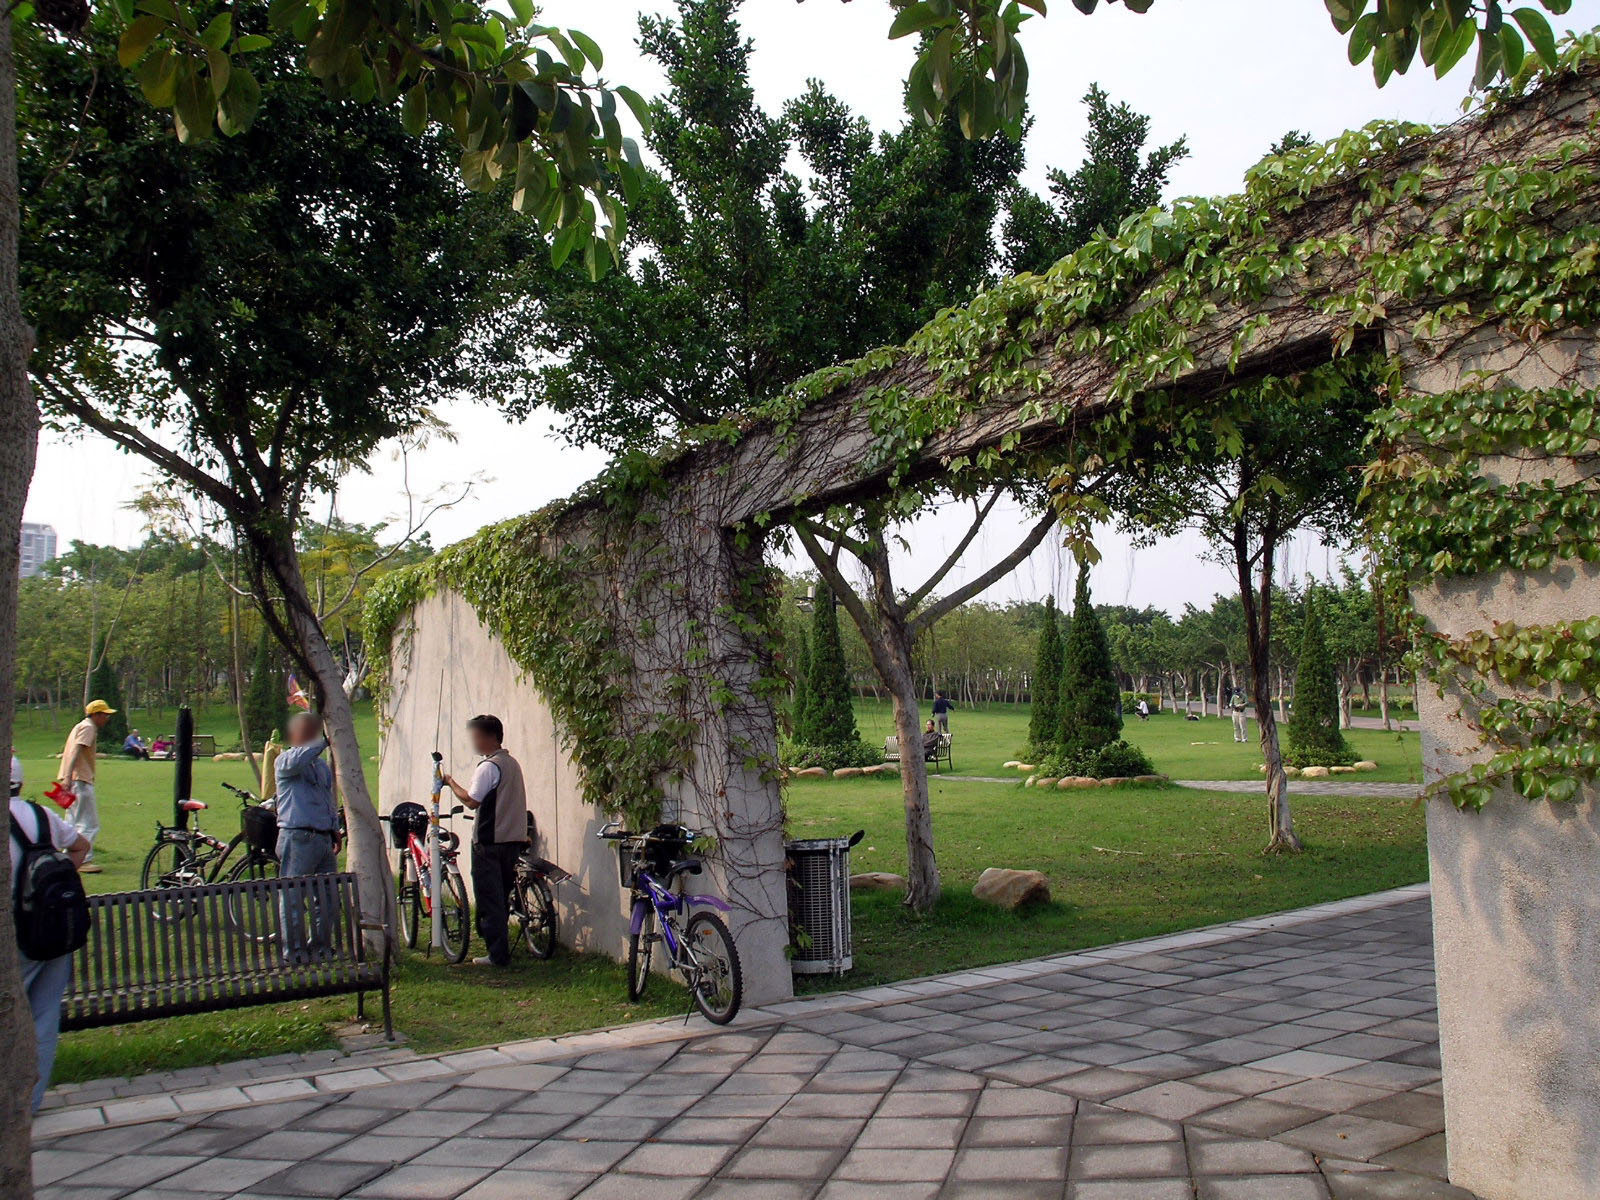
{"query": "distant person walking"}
(308, 829)
(941, 711)
(499, 834)
(1143, 709)
(77, 774)
(1241, 731)
(44, 980)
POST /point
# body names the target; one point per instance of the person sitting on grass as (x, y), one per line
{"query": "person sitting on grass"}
(133, 746)
(931, 740)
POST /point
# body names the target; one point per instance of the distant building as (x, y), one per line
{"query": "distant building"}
(38, 547)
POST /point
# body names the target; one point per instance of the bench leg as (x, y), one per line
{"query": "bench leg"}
(361, 1006)
(388, 1020)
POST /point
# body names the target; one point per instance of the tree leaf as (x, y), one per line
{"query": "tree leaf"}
(591, 48)
(414, 110)
(638, 106)
(136, 39)
(1540, 35)
(236, 111)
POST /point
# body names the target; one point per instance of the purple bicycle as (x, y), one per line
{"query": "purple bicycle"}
(698, 945)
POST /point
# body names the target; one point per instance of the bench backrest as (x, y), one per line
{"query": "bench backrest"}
(197, 949)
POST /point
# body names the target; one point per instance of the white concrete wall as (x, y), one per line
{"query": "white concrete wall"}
(449, 668)
(1516, 886)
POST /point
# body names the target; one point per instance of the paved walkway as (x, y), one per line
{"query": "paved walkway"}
(1284, 1058)
(1344, 786)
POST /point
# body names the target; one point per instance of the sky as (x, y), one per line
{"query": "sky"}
(1232, 76)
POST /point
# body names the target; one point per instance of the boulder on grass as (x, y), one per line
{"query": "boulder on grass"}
(846, 772)
(1292, 772)
(1045, 781)
(1366, 764)
(1011, 764)
(873, 770)
(1077, 781)
(1012, 889)
(1342, 770)
(811, 773)
(1026, 768)
(1314, 772)
(877, 881)
(1115, 780)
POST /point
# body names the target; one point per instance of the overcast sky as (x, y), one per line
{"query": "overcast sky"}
(1230, 75)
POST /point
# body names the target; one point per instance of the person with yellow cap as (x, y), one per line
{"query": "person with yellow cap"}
(77, 773)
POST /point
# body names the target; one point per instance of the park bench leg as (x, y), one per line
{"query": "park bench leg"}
(388, 1018)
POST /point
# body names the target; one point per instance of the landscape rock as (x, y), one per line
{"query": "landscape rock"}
(1012, 889)
(1077, 781)
(1366, 764)
(1314, 772)
(1342, 770)
(1026, 767)
(1011, 764)
(847, 772)
(1045, 781)
(877, 881)
(811, 773)
(1292, 772)
(228, 756)
(1115, 780)
(873, 770)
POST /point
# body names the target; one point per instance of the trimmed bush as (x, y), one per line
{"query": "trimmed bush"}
(1089, 691)
(828, 719)
(1315, 739)
(1044, 721)
(1114, 759)
(831, 758)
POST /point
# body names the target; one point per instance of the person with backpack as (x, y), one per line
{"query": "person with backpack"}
(51, 915)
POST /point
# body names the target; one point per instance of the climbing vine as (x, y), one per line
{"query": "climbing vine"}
(1390, 231)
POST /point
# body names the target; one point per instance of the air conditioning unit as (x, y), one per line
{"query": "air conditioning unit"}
(819, 905)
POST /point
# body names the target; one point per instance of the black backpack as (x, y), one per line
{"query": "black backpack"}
(49, 903)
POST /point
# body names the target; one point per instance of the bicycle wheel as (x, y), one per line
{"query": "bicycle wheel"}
(717, 982)
(536, 910)
(457, 916)
(252, 915)
(639, 953)
(408, 901)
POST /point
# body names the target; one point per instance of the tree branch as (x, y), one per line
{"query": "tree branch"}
(980, 515)
(1004, 567)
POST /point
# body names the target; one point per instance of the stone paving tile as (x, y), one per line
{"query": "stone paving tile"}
(1211, 1065)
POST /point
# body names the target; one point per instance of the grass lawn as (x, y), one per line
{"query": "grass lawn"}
(1204, 749)
(1126, 862)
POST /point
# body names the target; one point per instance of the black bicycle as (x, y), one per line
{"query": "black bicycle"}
(533, 909)
(187, 856)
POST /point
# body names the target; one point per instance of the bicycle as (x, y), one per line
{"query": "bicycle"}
(700, 948)
(185, 857)
(533, 909)
(414, 892)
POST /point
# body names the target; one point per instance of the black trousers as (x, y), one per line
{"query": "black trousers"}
(494, 870)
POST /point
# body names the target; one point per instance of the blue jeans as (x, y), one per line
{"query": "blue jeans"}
(45, 982)
(306, 852)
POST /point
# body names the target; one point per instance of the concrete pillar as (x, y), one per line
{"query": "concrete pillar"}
(1516, 886)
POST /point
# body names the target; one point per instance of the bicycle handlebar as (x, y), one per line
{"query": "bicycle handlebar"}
(241, 793)
(612, 831)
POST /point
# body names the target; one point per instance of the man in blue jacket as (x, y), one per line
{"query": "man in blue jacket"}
(308, 830)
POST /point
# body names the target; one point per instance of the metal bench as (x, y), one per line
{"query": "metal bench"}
(891, 752)
(171, 951)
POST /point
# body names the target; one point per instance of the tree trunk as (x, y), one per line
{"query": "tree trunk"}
(19, 439)
(368, 855)
(1345, 690)
(1281, 837)
(922, 867)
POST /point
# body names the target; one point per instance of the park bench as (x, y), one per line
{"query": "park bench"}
(172, 951)
(891, 751)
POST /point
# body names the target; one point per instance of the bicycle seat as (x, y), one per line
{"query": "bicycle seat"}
(687, 866)
(191, 805)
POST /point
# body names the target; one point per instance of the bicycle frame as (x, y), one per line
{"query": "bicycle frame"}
(666, 903)
(418, 850)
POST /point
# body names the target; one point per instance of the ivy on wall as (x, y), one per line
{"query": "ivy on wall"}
(1510, 245)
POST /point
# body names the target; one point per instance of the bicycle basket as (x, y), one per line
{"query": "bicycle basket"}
(408, 818)
(259, 824)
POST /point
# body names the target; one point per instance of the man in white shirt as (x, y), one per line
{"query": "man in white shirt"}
(45, 982)
(499, 836)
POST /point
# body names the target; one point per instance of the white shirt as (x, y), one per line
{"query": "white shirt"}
(484, 780)
(16, 774)
(62, 835)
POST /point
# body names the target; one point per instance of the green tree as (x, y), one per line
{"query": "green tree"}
(266, 706)
(1314, 735)
(104, 685)
(1116, 179)
(367, 296)
(830, 718)
(1091, 700)
(800, 705)
(1044, 721)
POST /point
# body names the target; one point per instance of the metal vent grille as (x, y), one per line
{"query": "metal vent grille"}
(820, 905)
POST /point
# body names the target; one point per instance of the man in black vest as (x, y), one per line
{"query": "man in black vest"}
(499, 836)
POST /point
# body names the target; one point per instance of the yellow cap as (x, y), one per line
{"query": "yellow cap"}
(97, 706)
